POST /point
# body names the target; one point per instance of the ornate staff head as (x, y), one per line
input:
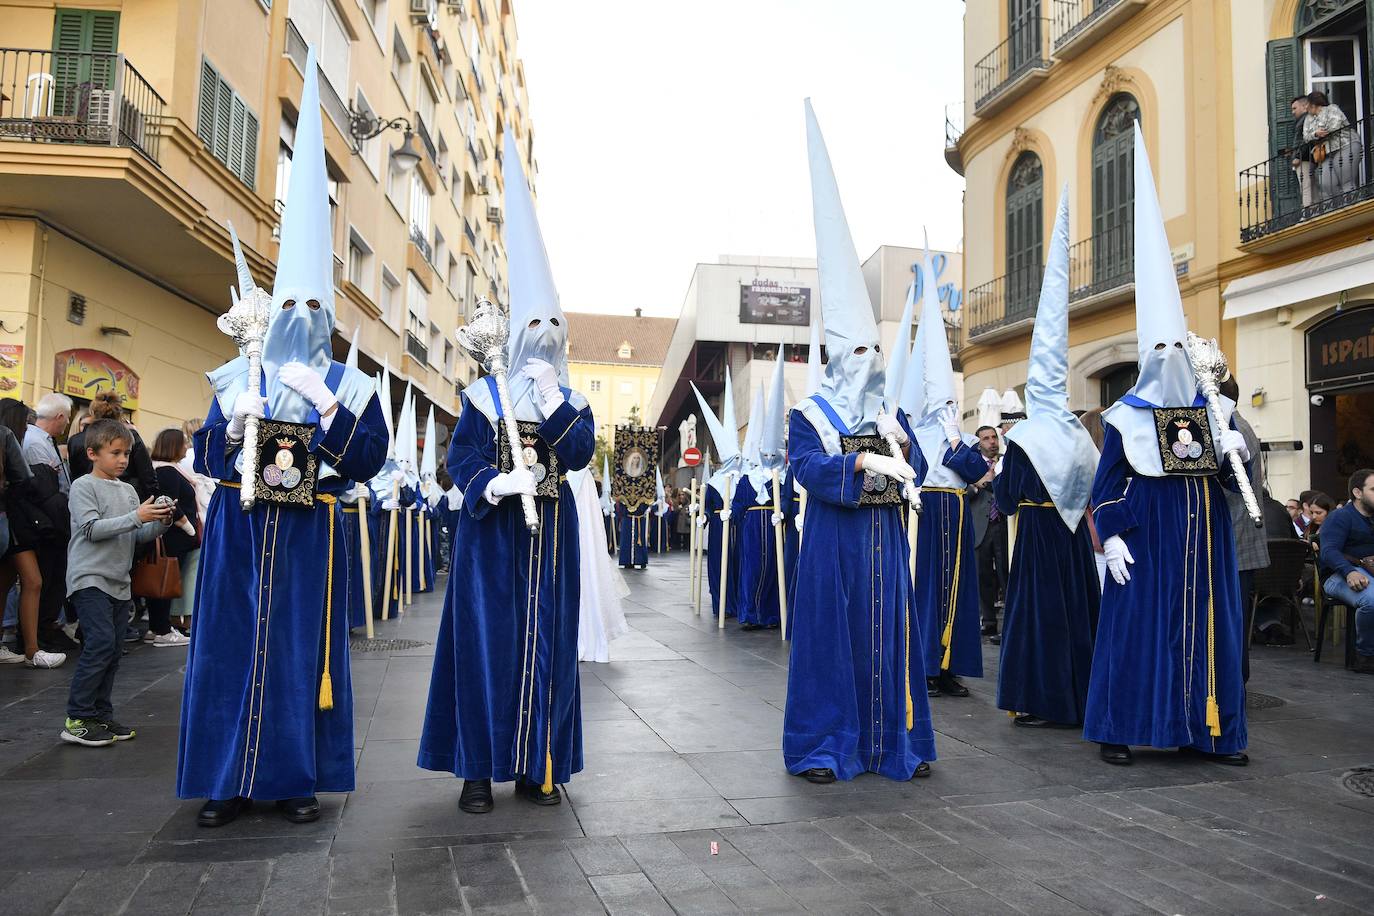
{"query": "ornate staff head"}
(485, 335)
(1209, 363)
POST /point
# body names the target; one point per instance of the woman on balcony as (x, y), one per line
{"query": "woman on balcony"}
(1336, 146)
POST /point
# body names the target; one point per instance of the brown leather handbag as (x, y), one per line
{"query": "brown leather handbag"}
(157, 575)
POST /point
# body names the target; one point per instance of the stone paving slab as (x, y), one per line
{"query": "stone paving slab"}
(684, 807)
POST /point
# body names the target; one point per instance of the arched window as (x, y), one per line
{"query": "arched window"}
(1113, 191)
(1116, 381)
(1025, 235)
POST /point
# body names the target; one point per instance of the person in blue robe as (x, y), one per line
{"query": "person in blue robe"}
(504, 700)
(634, 536)
(1052, 595)
(856, 639)
(1167, 665)
(718, 491)
(353, 559)
(757, 603)
(267, 711)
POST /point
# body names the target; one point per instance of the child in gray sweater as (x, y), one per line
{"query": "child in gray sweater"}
(107, 525)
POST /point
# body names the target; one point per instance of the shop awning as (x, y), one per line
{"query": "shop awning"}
(1324, 275)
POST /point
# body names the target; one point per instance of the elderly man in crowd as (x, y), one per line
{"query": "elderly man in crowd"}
(51, 483)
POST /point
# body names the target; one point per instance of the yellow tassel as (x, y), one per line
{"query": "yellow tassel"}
(944, 663)
(910, 710)
(326, 692)
(1213, 717)
(547, 787)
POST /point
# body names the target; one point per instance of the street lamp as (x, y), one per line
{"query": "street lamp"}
(364, 126)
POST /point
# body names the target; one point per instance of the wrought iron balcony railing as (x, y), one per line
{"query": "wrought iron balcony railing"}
(1025, 51)
(329, 99)
(78, 97)
(1073, 19)
(416, 349)
(1293, 188)
(1103, 263)
(417, 238)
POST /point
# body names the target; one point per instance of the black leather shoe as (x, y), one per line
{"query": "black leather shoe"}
(950, 685)
(534, 792)
(1118, 754)
(995, 639)
(932, 687)
(821, 776)
(989, 629)
(218, 812)
(750, 627)
(1026, 720)
(1238, 759)
(476, 796)
(301, 810)
(922, 770)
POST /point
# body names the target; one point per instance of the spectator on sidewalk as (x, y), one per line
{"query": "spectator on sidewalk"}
(989, 535)
(107, 523)
(51, 483)
(184, 607)
(181, 540)
(1252, 547)
(28, 527)
(139, 474)
(1347, 541)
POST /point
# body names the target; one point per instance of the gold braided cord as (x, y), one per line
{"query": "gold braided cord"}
(1213, 711)
(947, 636)
(327, 682)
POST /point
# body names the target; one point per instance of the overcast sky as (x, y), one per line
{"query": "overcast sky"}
(668, 133)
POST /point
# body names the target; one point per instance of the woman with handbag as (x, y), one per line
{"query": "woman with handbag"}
(158, 575)
(27, 526)
(1336, 146)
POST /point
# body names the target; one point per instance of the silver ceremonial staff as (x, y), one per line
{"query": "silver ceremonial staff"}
(484, 337)
(246, 323)
(1209, 365)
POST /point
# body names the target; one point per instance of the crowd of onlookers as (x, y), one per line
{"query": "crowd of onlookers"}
(44, 451)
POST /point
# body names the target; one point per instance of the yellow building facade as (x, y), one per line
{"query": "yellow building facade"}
(132, 132)
(1051, 91)
(615, 360)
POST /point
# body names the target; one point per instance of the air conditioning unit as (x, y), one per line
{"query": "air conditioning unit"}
(421, 10)
(456, 7)
(484, 185)
(494, 215)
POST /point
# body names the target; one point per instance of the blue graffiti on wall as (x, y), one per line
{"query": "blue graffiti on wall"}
(950, 295)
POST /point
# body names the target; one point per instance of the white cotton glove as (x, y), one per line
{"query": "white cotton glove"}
(545, 378)
(888, 426)
(1233, 441)
(1119, 559)
(662, 511)
(701, 521)
(391, 505)
(693, 509)
(949, 422)
(511, 483)
(309, 384)
(245, 405)
(888, 466)
(777, 518)
(725, 515)
(798, 523)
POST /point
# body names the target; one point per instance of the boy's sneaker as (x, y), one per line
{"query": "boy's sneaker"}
(117, 731)
(88, 732)
(10, 658)
(171, 638)
(45, 659)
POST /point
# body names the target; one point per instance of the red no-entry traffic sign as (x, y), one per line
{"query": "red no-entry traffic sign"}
(692, 457)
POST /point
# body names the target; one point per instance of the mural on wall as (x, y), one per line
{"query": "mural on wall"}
(86, 373)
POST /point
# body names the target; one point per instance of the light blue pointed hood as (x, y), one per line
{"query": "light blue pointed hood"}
(723, 436)
(351, 360)
(1057, 445)
(853, 382)
(912, 399)
(533, 295)
(1166, 373)
(772, 455)
(815, 368)
(900, 353)
(606, 506)
(938, 391)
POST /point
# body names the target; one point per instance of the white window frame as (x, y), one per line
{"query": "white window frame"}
(402, 64)
(365, 281)
(391, 296)
(369, 150)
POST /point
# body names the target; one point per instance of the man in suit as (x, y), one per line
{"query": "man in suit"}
(989, 535)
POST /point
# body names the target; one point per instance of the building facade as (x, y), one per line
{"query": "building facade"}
(1278, 272)
(132, 131)
(614, 360)
(739, 310)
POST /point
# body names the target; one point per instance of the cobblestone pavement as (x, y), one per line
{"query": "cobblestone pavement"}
(684, 806)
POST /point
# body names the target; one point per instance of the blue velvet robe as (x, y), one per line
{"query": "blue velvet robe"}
(947, 570)
(791, 508)
(353, 565)
(856, 667)
(714, 503)
(1150, 664)
(379, 529)
(421, 555)
(758, 561)
(504, 699)
(1050, 619)
(660, 530)
(634, 535)
(250, 718)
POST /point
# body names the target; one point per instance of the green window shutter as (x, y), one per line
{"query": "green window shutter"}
(69, 29)
(235, 162)
(102, 37)
(209, 93)
(1283, 68)
(224, 106)
(249, 174)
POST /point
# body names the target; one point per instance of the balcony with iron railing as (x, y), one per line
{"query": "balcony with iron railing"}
(422, 132)
(1079, 24)
(417, 238)
(1101, 273)
(78, 97)
(329, 99)
(416, 349)
(1283, 205)
(1013, 68)
(954, 129)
